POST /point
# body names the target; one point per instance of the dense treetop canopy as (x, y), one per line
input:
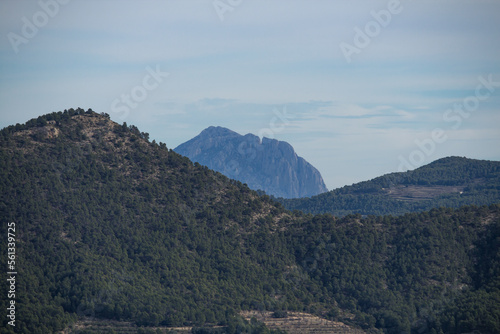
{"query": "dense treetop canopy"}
(112, 226)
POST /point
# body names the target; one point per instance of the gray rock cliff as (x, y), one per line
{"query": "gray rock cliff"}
(270, 165)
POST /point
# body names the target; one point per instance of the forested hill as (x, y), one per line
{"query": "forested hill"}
(448, 182)
(111, 226)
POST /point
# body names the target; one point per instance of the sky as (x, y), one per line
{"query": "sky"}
(358, 88)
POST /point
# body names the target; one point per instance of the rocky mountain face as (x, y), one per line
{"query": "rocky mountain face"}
(269, 165)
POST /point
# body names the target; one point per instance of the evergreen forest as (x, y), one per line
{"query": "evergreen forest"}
(110, 225)
(448, 182)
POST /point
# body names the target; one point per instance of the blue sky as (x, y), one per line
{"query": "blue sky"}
(358, 88)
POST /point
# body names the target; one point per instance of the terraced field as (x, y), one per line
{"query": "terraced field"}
(417, 193)
(294, 323)
(119, 327)
(301, 323)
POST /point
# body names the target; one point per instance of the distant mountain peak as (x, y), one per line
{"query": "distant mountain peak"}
(218, 131)
(268, 164)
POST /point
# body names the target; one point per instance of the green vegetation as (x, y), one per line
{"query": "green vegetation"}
(413, 272)
(112, 226)
(449, 182)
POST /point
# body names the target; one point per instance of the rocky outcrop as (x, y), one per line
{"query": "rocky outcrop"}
(269, 165)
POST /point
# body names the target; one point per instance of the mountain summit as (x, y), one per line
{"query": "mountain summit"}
(269, 165)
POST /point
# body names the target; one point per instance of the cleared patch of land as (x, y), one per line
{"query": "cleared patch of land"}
(119, 327)
(418, 193)
(301, 323)
(294, 323)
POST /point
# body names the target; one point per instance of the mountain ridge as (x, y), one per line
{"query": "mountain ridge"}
(268, 164)
(451, 181)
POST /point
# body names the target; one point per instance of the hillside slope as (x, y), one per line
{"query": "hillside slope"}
(110, 226)
(448, 182)
(270, 165)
